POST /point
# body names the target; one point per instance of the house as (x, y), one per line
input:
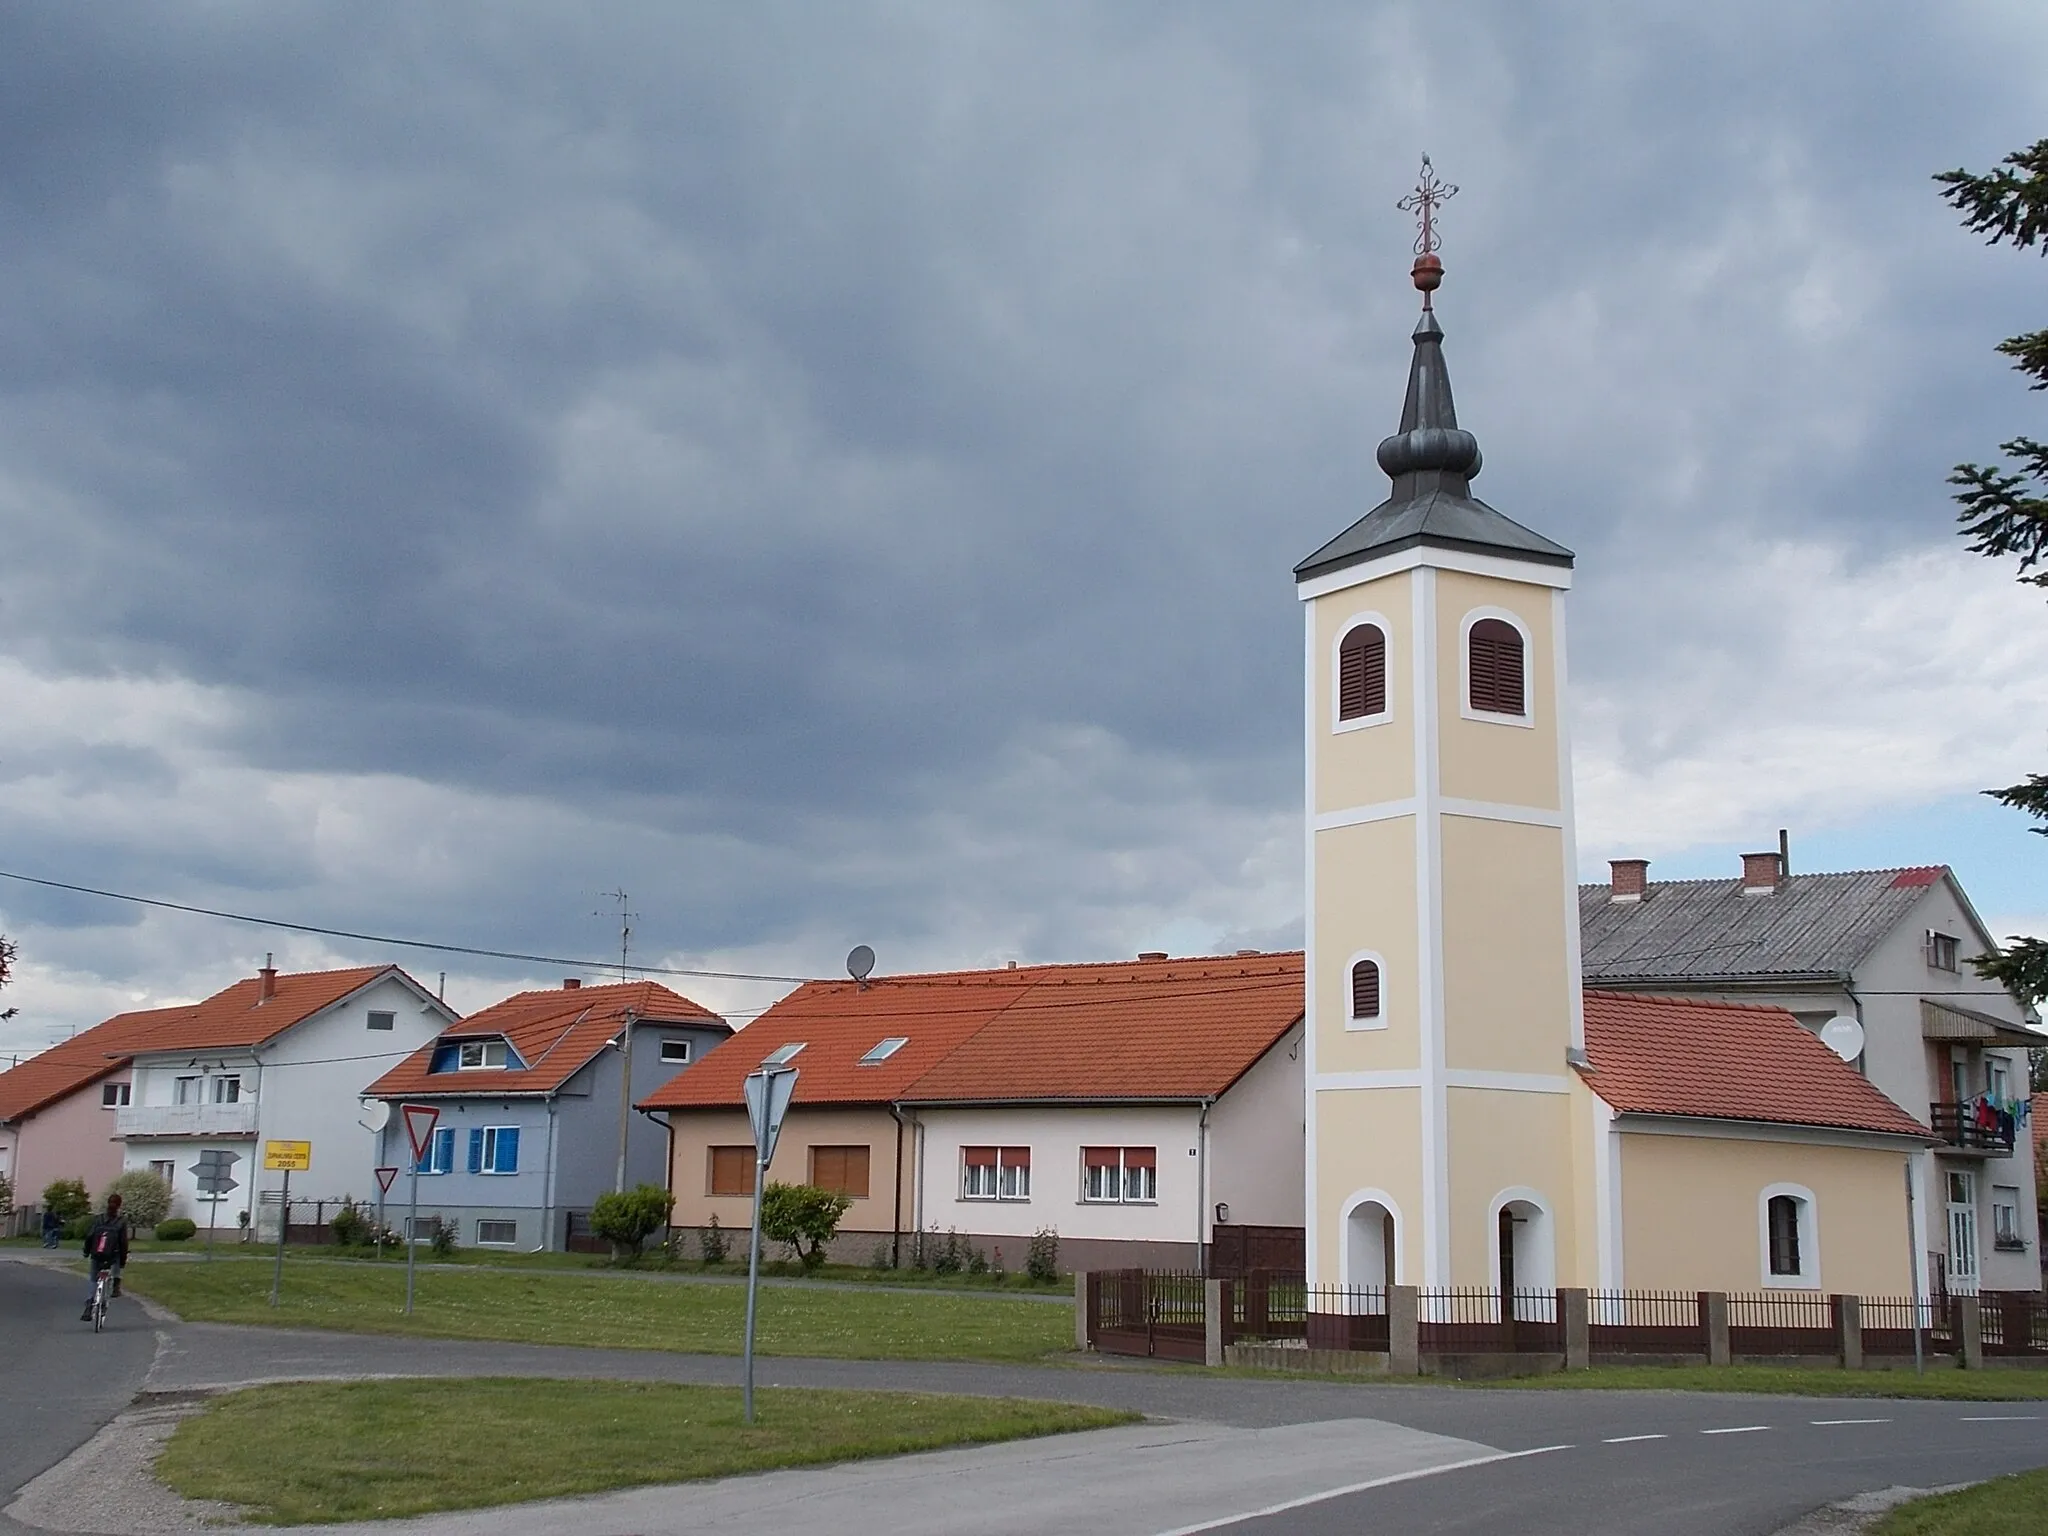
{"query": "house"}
(1135, 1109)
(534, 1108)
(274, 1057)
(1890, 951)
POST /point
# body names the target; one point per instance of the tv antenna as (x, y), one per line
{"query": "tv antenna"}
(626, 916)
(860, 964)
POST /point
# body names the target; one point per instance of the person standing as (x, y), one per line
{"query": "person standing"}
(106, 1250)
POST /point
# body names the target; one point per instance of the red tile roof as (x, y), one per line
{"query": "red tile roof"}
(234, 1017)
(1129, 1030)
(1727, 1061)
(556, 1033)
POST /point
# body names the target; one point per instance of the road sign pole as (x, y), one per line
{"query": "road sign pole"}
(284, 1221)
(377, 1237)
(768, 1093)
(212, 1221)
(753, 1286)
(412, 1227)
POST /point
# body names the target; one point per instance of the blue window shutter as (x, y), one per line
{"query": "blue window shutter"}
(444, 1151)
(426, 1162)
(508, 1149)
(476, 1150)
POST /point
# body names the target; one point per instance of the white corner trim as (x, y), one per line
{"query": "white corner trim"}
(1345, 1082)
(1380, 622)
(1488, 810)
(1808, 1278)
(1429, 885)
(1606, 1194)
(1392, 1207)
(1507, 1082)
(1379, 1020)
(1533, 573)
(1527, 719)
(1362, 815)
(1310, 1146)
(1568, 822)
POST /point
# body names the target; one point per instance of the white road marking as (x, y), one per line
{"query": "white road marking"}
(1632, 1439)
(1999, 1418)
(1848, 1421)
(1739, 1429)
(1351, 1488)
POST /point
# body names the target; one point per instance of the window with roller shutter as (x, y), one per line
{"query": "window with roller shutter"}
(1362, 673)
(1496, 668)
(731, 1171)
(842, 1170)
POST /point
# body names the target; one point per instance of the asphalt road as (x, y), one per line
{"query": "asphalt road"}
(1596, 1462)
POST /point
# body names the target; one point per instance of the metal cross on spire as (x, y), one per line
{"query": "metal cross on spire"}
(1431, 193)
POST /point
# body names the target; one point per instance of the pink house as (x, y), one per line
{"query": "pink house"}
(57, 1110)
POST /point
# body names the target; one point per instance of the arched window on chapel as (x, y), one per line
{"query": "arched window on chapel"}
(1496, 669)
(1365, 989)
(1362, 673)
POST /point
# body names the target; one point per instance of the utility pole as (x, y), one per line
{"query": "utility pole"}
(625, 1092)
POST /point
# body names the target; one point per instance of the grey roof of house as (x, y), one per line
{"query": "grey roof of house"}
(1711, 930)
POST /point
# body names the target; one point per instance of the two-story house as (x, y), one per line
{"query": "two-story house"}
(536, 1117)
(275, 1057)
(1890, 950)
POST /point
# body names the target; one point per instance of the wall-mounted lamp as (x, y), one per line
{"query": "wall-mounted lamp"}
(1223, 1210)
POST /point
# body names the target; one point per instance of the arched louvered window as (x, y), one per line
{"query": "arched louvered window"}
(1365, 989)
(1496, 668)
(1362, 673)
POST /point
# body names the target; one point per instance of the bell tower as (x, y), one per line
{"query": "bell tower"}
(1449, 1137)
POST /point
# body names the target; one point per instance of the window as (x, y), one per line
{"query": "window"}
(383, 1020)
(1790, 1238)
(1962, 1226)
(1784, 1220)
(1495, 668)
(115, 1095)
(497, 1233)
(187, 1090)
(1997, 1078)
(730, 1170)
(480, 1055)
(676, 1052)
(2005, 1218)
(422, 1227)
(995, 1173)
(1941, 950)
(165, 1169)
(843, 1170)
(1362, 673)
(439, 1154)
(884, 1049)
(1126, 1174)
(782, 1055)
(1365, 990)
(228, 1089)
(494, 1149)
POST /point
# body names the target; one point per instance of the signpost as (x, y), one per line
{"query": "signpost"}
(284, 1157)
(769, 1091)
(385, 1176)
(419, 1133)
(214, 1180)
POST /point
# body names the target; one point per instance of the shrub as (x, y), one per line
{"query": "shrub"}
(628, 1219)
(176, 1229)
(713, 1243)
(977, 1262)
(803, 1218)
(880, 1259)
(949, 1257)
(443, 1240)
(1042, 1258)
(145, 1197)
(67, 1197)
(76, 1228)
(352, 1229)
(6, 1197)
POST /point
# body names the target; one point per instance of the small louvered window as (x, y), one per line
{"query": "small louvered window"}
(1362, 673)
(1365, 990)
(1496, 668)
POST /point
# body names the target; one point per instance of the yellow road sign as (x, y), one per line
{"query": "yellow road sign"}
(289, 1156)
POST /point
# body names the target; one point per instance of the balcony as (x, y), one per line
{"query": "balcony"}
(1966, 1130)
(145, 1120)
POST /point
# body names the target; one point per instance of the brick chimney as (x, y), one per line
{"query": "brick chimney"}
(266, 981)
(571, 983)
(1761, 872)
(1630, 879)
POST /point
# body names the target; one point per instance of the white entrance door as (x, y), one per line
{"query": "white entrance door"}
(1962, 1230)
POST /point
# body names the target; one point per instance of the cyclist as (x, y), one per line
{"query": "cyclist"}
(106, 1249)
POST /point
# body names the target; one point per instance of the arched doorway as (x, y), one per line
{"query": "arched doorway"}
(1371, 1242)
(1525, 1255)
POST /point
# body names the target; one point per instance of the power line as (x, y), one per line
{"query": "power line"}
(378, 938)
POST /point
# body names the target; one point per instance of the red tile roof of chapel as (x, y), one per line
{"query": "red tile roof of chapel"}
(1143, 1029)
(1727, 1061)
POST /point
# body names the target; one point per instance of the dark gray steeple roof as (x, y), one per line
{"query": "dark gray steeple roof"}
(1431, 461)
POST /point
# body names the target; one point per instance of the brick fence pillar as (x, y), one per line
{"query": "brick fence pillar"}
(1081, 1339)
(1969, 1331)
(1574, 1303)
(1404, 1331)
(1848, 1312)
(1714, 1319)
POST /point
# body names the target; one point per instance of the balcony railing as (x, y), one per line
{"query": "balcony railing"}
(187, 1119)
(1969, 1128)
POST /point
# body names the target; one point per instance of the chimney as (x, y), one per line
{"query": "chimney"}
(571, 983)
(1151, 954)
(1630, 879)
(266, 981)
(1760, 872)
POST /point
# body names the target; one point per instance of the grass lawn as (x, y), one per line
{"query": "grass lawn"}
(323, 1451)
(2006, 1506)
(611, 1312)
(1940, 1381)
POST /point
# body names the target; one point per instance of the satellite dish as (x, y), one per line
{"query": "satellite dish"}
(1844, 1036)
(376, 1114)
(860, 962)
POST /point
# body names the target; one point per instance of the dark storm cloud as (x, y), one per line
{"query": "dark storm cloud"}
(824, 460)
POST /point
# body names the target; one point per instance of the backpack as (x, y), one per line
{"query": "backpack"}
(106, 1242)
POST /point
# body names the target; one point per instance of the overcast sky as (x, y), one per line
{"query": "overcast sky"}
(834, 472)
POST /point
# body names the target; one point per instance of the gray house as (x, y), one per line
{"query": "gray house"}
(535, 1110)
(1889, 949)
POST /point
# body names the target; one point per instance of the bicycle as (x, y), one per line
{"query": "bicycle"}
(101, 1288)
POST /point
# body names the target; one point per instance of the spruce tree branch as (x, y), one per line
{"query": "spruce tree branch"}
(2010, 203)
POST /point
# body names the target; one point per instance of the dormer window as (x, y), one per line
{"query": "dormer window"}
(884, 1049)
(1362, 673)
(1941, 951)
(480, 1055)
(782, 1055)
(1496, 669)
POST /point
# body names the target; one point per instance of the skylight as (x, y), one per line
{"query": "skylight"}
(782, 1054)
(885, 1049)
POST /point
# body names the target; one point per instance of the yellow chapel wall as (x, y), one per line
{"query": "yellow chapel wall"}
(1482, 759)
(1507, 980)
(1368, 1138)
(1503, 1140)
(1365, 899)
(1368, 764)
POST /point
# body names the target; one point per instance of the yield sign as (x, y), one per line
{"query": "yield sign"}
(384, 1178)
(419, 1128)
